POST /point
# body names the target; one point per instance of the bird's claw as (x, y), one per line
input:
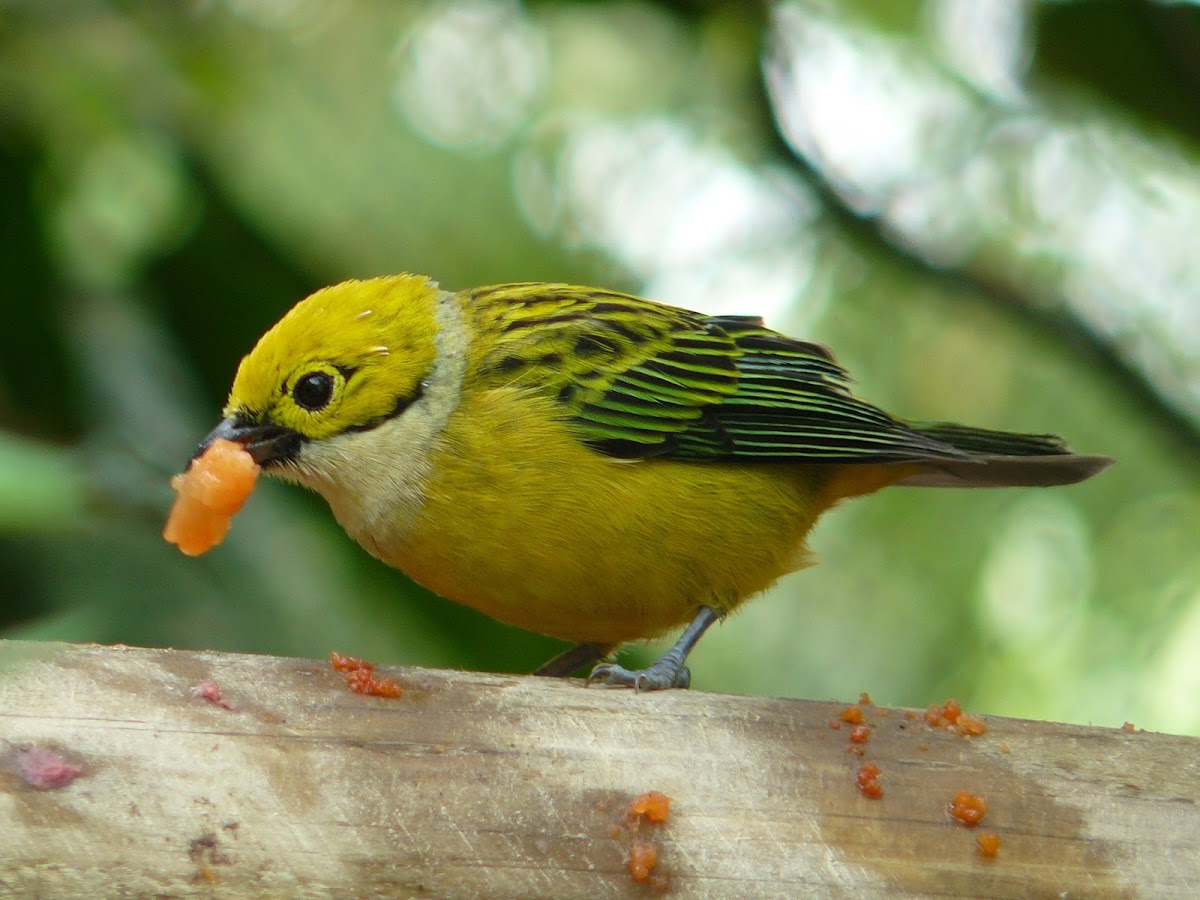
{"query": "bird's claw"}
(656, 678)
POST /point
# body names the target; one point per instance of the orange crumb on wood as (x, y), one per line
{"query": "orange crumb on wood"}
(365, 681)
(971, 725)
(361, 677)
(652, 806)
(348, 663)
(988, 844)
(643, 857)
(852, 715)
(968, 808)
(867, 778)
(872, 790)
(943, 716)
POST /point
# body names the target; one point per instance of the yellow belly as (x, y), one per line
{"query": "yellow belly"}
(524, 523)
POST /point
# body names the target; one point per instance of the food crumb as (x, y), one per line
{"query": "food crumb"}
(872, 790)
(867, 778)
(859, 734)
(364, 681)
(643, 857)
(971, 725)
(988, 844)
(968, 808)
(943, 716)
(852, 715)
(210, 492)
(343, 663)
(835, 724)
(1129, 728)
(653, 806)
(361, 677)
(44, 769)
(864, 699)
(211, 691)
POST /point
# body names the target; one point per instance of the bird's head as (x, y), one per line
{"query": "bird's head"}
(343, 362)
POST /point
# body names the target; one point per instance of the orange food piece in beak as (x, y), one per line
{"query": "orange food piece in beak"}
(211, 491)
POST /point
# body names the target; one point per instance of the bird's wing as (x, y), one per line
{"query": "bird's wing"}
(638, 379)
(792, 402)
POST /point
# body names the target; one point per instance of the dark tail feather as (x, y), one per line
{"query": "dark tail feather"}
(1010, 471)
(1003, 459)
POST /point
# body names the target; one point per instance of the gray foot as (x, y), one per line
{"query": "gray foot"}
(668, 671)
(663, 674)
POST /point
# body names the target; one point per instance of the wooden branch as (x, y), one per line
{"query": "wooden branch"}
(485, 786)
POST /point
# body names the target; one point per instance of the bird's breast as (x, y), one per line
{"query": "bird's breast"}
(520, 520)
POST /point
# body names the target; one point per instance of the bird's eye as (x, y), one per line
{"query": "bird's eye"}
(313, 391)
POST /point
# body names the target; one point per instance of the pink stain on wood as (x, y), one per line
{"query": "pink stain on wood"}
(44, 769)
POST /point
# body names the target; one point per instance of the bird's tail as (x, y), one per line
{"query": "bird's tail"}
(1002, 459)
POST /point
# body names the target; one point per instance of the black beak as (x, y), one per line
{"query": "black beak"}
(268, 443)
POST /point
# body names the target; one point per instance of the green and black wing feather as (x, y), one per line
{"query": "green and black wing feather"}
(639, 379)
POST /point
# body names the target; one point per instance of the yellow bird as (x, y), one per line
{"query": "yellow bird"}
(583, 463)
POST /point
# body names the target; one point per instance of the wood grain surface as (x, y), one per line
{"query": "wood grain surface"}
(475, 785)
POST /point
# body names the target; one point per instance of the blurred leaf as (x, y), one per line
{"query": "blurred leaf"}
(41, 487)
(985, 209)
(1065, 209)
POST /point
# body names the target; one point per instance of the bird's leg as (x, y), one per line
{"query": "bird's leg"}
(668, 671)
(569, 661)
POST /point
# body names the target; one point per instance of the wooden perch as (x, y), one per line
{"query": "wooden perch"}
(287, 784)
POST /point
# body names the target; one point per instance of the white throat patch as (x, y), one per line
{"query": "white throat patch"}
(375, 480)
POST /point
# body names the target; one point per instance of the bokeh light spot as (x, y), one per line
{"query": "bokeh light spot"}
(1037, 578)
(471, 72)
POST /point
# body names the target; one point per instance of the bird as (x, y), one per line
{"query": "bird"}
(585, 463)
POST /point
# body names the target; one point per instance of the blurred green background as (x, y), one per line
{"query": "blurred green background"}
(988, 208)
